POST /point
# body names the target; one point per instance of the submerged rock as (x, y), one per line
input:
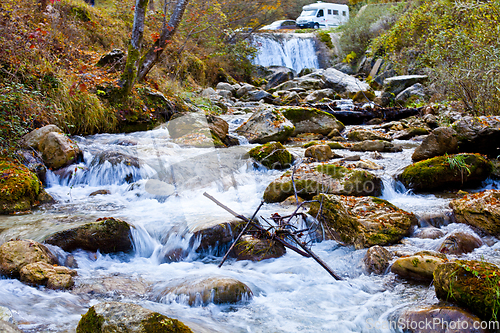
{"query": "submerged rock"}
(112, 317)
(446, 171)
(419, 266)
(202, 291)
(459, 242)
(272, 155)
(265, 126)
(106, 235)
(362, 221)
(441, 141)
(311, 120)
(20, 189)
(324, 178)
(377, 259)
(217, 235)
(481, 210)
(470, 284)
(255, 249)
(430, 233)
(16, 254)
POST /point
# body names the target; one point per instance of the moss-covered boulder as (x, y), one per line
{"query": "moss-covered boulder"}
(481, 210)
(265, 126)
(377, 259)
(272, 155)
(112, 317)
(213, 236)
(362, 221)
(323, 178)
(470, 284)
(319, 153)
(202, 291)
(16, 254)
(43, 274)
(311, 120)
(446, 171)
(106, 235)
(419, 266)
(459, 242)
(255, 249)
(20, 189)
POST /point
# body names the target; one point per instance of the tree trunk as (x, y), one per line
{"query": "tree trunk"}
(149, 60)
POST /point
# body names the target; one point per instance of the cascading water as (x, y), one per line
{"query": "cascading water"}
(290, 294)
(296, 51)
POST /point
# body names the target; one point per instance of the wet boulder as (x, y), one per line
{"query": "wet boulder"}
(430, 233)
(266, 125)
(443, 140)
(324, 178)
(363, 135)
(33, 161)
(479, 134)
(419, 266)
(319, 153)
(115, 158)
(43, 274)
(58, 150)
(439, 319)
(460, 242)
(213, 236)
(20, 189)
(272, 155)
(311, 120)
(16, 254)
(106, 235)
(469, 284)
(110, 317)
(202, 291)
(109, 286)
(342, 83)
(481, 210)
(446, 171)
(376, 259)
(255, 249)
(362, 221)
(375, 145)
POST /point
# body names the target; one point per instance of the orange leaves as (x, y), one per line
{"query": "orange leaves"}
(155, 36)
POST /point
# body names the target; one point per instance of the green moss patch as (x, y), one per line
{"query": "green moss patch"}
(158, 323)
(91, 322)
(272, 155)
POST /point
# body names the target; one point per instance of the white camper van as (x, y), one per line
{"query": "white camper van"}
(323, 15)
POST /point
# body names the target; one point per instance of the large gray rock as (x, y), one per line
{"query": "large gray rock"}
(479, 135)
(397, 84)
(343, 83)
(278, 78)
(415, 91)
(442, 140)
(245, 89)
(266, 125)
(58, 150)
(257, 95)
(318, 95)
(226, 86)
(311, 120)
(114, 317)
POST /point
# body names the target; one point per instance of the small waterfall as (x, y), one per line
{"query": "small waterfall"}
(289, 50)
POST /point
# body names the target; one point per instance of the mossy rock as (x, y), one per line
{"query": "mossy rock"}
(255, 249)
(20, 189)
(272, 155)
(470, 284)
(331, 144)
(362, 221)
(311, 120)
(437, 172)
(419, 266)
(106, 235)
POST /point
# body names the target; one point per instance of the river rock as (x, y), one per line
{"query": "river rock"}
(112, 317)
(319, 153)
(278, 78)
(6, 315)
(377, 259)
(20, 189)
(110, 286)
(255, 249)
(362, 221)
(115, 158)
(430, 233)
(272, 155)
(34, 138)
(187, 123)
(363, 135)
(33, 161)
(442, 140)
(409, 133)
(226, 86)
(213, 236)
(6, 327)
(218, 126)
(375, 145)
(291, 98)
(470, 284)
(460, 242)
(202, 291)
(266, 125)
(415, 92)
(481, 210)
(479, 134)
(257, 95)
(324, 178)
(311, 120)
(439, 319)
(419, 266)
(437, 172)
(16, 254)
(245, 89)
(318, 95)
(58, 150)
(342, 83)
(106, 235)
(308, 83)
(43, 274)
(397, 84)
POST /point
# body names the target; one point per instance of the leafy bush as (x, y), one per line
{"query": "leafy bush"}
(459, 41)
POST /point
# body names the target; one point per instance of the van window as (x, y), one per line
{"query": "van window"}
(335, 12)
(321, 13)
(329, 12)
(343, 13)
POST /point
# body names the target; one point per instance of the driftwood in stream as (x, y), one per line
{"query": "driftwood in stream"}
(283, 232)
(358, 115)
